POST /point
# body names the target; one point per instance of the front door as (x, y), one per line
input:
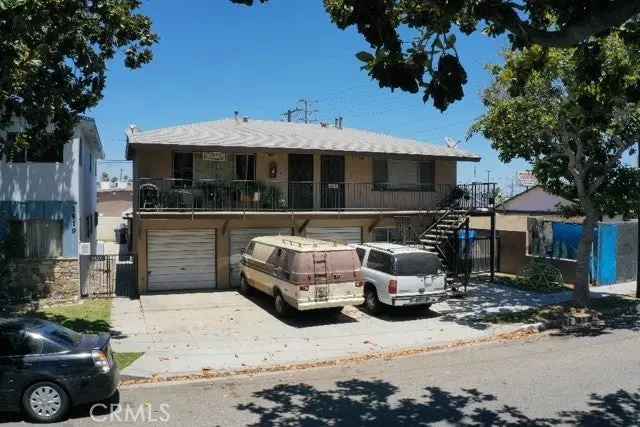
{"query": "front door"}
(332, 191)
(301, 181)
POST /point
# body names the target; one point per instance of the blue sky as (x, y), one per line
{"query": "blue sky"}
(213, 60)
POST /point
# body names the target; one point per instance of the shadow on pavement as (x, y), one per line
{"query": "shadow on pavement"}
(358, 402)
(299, 319)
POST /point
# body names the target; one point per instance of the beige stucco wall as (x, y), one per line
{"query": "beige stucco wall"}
(153, 162)
(263, 160)
(503, 222)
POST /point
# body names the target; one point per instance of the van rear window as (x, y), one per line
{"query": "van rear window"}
(417, 264)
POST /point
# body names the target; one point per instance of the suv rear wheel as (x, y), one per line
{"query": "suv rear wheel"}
(371, 302)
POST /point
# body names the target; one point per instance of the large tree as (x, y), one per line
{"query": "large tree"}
(573, 114)
(53, 61)
(414, 41)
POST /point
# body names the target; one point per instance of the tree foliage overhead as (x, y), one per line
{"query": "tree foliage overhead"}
(582, 115)
(414, 41)
(573, 114)
(53, 60)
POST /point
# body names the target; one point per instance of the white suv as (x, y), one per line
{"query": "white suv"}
(398, 275)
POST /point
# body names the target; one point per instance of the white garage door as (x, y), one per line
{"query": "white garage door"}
(340, 234)
(240, 238)
(181, 259)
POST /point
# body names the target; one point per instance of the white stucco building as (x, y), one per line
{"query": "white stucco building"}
(51, 199)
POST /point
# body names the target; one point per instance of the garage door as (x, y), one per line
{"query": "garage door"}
(240, 238)
(181, 259)
(340, 234)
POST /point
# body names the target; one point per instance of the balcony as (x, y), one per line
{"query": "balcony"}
(174, 195)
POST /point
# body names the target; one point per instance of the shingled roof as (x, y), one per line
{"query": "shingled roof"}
(232, 134)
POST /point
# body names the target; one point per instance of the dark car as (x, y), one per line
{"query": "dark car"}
(46, 368)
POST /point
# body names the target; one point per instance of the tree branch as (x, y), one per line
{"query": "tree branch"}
(617, 13)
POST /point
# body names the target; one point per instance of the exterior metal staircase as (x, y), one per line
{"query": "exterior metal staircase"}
(440, 239)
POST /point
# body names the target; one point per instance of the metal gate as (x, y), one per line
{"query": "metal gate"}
(108, 275)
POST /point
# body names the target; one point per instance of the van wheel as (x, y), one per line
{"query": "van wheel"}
(245, 288)
(45, 402)
(282, 307)
(371, 302)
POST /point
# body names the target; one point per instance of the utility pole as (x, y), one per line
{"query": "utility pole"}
(306, 106)
(488, 176)
(289, 114)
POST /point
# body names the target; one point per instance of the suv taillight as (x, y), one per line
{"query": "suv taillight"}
(393, 286)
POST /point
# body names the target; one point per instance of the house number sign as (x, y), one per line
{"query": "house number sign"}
(214, 156)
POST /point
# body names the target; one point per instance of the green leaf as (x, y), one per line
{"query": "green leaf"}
(365, 56)
(450, 40)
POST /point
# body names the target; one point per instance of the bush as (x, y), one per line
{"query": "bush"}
(541, 276)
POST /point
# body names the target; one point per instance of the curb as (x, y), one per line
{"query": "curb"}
(520, 333)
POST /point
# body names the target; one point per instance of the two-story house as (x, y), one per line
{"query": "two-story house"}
(49, 199)
(202, 191)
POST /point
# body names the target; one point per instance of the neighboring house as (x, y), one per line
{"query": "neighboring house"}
(202, 191)
(530, 226)
(50, 199)
(113, 205)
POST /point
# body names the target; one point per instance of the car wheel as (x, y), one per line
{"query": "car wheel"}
(45, 402)
(245, 288)
(282, 307)
(371, 302)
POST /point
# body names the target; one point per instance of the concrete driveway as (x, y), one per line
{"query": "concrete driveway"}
(186, 333)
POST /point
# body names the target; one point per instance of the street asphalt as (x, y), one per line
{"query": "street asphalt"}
(544, 380)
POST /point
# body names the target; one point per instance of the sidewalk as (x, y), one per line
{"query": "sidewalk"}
(186, 333)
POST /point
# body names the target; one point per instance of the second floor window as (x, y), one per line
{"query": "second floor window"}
(17, 154)
(246, 167)
(403, 175)
(51, 154)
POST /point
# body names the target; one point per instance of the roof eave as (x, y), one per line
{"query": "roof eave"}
(193, 147)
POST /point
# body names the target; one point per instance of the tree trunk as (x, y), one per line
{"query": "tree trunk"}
(583, 262)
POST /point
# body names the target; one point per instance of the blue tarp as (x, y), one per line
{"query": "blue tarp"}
(566, 237)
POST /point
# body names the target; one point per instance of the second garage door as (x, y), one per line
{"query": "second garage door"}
(181, 259)
(240, 238)
(340, 234)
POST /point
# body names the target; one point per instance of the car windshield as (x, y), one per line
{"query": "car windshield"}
(58, 334)
(417, 264)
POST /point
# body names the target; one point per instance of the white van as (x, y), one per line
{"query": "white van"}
(302, 274)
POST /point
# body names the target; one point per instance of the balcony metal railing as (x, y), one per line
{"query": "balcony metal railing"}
(163, 194)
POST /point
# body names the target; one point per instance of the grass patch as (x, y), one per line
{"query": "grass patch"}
(90, 316)
(125, 359)
(610, 308)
